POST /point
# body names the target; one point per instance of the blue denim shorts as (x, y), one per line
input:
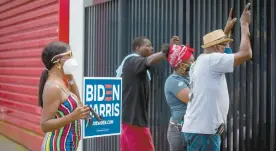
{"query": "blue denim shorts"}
(202, 142)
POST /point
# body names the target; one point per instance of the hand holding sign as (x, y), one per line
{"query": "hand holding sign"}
(81, 112)
(98, 117)
(89, 119)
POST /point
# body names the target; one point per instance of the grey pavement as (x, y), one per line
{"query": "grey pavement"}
(9, 145)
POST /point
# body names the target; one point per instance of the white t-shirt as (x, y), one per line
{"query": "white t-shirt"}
(209, 98)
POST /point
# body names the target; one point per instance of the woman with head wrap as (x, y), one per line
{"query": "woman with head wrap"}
(180, 57)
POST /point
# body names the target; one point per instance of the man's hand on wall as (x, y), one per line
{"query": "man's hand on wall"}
(230, 23)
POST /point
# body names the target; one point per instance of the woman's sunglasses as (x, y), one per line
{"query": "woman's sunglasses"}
(57, 57)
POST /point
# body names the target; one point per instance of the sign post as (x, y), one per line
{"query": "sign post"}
(104, 96)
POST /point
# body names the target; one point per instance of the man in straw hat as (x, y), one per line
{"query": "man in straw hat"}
(207, 109)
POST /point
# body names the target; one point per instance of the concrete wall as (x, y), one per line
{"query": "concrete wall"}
(76, 40)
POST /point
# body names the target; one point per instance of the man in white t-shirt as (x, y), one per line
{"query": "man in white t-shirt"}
(209, 100)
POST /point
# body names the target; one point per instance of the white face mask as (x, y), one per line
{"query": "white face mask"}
(70, 65)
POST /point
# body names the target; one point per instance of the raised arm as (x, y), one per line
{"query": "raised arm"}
(230, 23)
(155, 58)
(245, 52)
(159, 56)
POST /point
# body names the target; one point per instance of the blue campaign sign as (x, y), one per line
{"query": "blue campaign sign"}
(104, 95)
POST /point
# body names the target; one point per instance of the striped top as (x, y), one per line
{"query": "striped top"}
(67, 137)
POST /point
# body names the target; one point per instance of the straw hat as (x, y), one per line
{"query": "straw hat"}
(215, 37)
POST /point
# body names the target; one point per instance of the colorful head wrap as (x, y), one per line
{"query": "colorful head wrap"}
(178, 54)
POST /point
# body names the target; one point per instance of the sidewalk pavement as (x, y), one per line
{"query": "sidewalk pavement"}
(9, 145)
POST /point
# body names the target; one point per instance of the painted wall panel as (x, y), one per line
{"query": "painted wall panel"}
(26, 26)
